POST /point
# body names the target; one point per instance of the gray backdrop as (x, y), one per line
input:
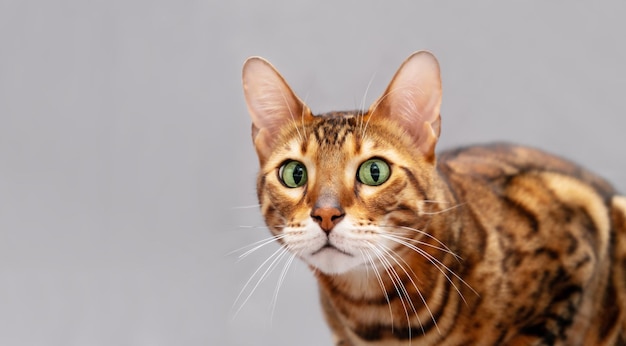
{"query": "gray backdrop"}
(127, 171)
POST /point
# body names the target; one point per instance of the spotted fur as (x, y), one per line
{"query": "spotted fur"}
(484, 245)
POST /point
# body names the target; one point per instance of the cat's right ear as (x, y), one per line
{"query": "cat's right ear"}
(271, 104)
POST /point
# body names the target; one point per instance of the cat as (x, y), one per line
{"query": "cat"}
(483, 245)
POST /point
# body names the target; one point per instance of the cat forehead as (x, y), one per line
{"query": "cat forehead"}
(330, 136)
(334, 138)
(332, 129)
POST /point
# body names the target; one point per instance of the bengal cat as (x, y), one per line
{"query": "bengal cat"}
(483, 245)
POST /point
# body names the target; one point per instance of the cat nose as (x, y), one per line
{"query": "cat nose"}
(327, 217)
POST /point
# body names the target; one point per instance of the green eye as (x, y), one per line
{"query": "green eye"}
(293, 174)
(373, 172)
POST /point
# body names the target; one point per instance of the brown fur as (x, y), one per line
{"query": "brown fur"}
(485, 245)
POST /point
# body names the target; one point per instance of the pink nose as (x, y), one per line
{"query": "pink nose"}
(327, 217)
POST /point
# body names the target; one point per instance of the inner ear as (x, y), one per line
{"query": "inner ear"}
(413, 100)
(271, 103)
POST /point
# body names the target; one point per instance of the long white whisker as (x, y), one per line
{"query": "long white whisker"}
(247, 206)
(386, 234)
(251, 226)
(367, 269)
(426, 234)
(256, 245)
(389, 254)
(378, 102)
(443, 210)
(363, 100)
(437, 263)
(259, 227)
(306, 135)
(396, 255)
(293, 118)
(435, 201)
(396, 281)
(281, 279)
(380, 282)
(277, 255)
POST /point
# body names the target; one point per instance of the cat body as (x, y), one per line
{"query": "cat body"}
(485, 245)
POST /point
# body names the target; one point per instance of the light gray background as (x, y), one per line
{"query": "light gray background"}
(125, 157)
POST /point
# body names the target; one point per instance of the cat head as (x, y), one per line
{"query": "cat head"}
(341, 188)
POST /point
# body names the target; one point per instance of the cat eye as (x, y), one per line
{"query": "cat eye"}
(293, 174)
(373, 172)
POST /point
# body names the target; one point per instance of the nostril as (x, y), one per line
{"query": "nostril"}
(337, 217)
(327, 217)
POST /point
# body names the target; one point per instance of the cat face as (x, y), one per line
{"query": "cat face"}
(344, 190)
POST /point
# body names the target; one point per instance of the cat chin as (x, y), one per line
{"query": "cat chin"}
(333, 262)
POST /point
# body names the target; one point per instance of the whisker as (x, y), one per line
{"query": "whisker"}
(251, 227)
(367, 269)
(395, 280)
(378, 102)
(426, 234)
(277, 255)
(306, 135)
(390, 254)
(437, 263)
(396, 255)
(380, 282)
(261, 226)
(256, 245)
(293, 118)
(281, 279)
(432, 260)
(443, 210)
(446, 250)
(363, 100)
(247, 206)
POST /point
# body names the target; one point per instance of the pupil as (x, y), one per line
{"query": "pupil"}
(375, 172)
(297, 174)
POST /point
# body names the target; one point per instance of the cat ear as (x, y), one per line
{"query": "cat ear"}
(271, 104)
(413, 100)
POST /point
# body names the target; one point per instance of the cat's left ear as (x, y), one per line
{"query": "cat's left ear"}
(271, 104)
(413, 100)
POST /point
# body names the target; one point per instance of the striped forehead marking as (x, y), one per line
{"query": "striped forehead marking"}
(335, 128)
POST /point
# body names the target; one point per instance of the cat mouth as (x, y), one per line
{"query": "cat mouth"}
(331, 247)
